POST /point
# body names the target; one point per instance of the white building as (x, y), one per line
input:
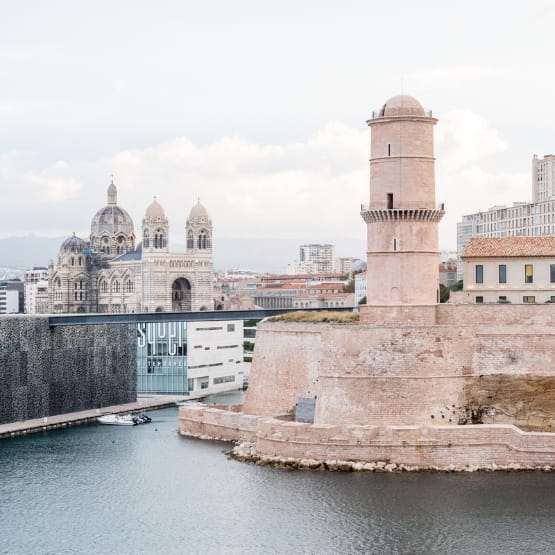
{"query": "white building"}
(509, 270)
(9, 297)
(33, 280)
(360, 286)
(522, 218)
(192, 358)
(314, 258)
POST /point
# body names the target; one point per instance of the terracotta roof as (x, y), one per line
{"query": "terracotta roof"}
(503, 247)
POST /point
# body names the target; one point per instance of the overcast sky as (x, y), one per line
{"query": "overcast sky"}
(259, 108)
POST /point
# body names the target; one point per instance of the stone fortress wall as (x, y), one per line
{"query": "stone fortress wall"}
(406, 393)
(46, 371)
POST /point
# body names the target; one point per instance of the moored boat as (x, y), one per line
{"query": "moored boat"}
(117, 419)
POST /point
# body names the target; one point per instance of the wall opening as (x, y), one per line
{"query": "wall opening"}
(390, 201)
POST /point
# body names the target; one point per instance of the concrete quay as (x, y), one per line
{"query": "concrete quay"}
(143, 403)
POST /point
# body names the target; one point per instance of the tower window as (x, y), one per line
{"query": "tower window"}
(390, 201)
(389, 149)
(394, 244)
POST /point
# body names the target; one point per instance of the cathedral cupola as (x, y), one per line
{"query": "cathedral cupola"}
(112, 230)
(155, 228)
(199, 230)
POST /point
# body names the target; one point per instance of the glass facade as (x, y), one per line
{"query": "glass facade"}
(162, 358)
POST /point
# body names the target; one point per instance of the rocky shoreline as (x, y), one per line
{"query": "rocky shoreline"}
(246, 452)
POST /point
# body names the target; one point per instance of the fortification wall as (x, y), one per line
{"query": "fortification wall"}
(46, 371)
(285, 367)
(206, 422)
(423, 446)
(410, 374)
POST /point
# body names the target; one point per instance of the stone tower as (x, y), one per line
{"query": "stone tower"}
(155, 229)
(402, 217)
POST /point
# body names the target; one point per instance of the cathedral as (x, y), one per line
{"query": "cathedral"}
(111, 273)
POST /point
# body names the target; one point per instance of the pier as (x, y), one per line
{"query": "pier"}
(25, 427)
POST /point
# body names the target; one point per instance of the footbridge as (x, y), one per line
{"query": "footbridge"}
(149, 317)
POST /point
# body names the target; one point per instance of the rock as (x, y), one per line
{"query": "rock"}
(390, 467)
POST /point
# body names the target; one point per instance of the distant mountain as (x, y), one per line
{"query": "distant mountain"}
(28, 251)
(262, 255)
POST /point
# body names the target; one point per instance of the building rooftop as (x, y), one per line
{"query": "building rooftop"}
(520, 246)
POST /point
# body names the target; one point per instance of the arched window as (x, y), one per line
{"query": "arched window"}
(129, 286)
(104, 286)
(115, 286)
(203, 242)
(145, 239)
(72, 261)
(190, 240)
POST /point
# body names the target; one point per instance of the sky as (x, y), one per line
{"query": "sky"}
(259, 108)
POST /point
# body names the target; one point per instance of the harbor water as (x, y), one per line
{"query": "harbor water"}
(144, 489)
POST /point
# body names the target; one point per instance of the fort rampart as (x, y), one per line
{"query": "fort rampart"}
(453, 385)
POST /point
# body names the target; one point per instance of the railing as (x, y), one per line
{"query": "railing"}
(378, 114)
(205, 315)
(403, 206)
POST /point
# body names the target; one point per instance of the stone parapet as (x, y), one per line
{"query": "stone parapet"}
(213, 423)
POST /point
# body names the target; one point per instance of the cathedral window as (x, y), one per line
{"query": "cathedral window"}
(104, 287)
(203, 240)
(129, 286)
(145, 239)
(72, 261)
(190, 240)
(115, 286)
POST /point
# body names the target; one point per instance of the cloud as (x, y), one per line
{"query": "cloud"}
(308, 190)
(465, 142)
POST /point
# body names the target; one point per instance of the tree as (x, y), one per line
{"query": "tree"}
(444, 293)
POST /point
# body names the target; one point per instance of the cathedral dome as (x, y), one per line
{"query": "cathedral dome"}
(198, 211)
(112, 218)
(155, 211)
(402, 105)
(73, 244)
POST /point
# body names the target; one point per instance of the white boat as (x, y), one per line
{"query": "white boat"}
(117, 419)
(124, 419)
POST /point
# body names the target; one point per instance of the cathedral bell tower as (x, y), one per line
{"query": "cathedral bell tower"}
(402, 217)
(155, 229)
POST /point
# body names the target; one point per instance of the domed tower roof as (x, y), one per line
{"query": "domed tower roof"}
(402, 105)
(155, 211)
(198, 211)
(112, 218)
(73, 244)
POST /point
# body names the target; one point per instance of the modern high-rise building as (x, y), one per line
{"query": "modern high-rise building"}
(320, 257)
(543, 178)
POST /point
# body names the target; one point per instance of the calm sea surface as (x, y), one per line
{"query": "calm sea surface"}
(113, 489)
